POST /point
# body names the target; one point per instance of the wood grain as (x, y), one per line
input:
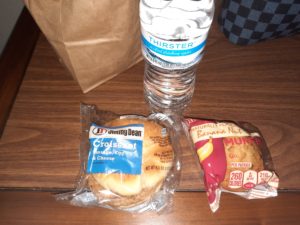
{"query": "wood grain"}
(259, 84)
(14, 61)
(189, 208)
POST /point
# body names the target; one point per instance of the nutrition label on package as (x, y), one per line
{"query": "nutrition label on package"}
(248, 179)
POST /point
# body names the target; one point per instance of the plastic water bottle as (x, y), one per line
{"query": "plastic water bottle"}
(174, 34)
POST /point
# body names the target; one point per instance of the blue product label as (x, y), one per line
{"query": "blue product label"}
(175, 48)
(116, 149)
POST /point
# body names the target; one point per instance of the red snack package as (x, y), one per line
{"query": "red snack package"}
(234, 158)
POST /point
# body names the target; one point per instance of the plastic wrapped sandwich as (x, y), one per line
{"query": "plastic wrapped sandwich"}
(129, 162)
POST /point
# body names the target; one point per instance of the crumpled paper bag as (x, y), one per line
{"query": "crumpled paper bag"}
(96, 39)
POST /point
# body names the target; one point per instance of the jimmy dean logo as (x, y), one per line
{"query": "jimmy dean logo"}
(99, 130)
(123, 132)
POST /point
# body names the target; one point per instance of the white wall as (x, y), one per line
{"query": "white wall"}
(9, 13)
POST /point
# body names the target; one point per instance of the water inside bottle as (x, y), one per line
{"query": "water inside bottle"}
(174, 35)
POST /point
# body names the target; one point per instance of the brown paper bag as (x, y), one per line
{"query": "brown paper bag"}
(96, 40)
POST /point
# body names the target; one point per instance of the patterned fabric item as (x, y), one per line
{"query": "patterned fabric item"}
(249, 21)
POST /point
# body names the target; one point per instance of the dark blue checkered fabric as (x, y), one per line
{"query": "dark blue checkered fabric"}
(249, 21)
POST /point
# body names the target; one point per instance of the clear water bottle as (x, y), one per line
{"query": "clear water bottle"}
(174, 34)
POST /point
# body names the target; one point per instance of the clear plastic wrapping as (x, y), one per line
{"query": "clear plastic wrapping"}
(234, 158)
(128, 162)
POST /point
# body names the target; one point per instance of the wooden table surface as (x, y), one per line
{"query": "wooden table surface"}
(189, 209)
(259, 84)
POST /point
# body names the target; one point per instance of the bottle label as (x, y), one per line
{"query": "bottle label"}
(172, 48)
(115, 149)
(174, 51)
